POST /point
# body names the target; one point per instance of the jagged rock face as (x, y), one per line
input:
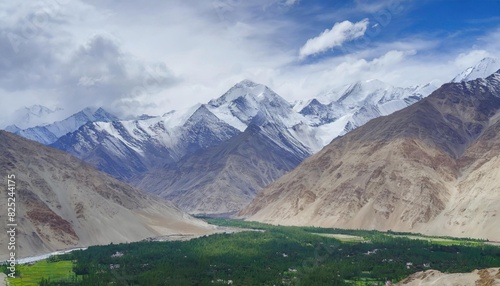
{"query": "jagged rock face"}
(62, 202)
(431, 167)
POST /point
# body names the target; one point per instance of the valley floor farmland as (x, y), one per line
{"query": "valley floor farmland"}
(276, 255)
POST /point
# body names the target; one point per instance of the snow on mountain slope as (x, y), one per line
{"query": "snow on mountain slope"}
(177, 155)
(125, 149)
(197, 156)
(483, 69)
(354, 105)
(432, 167)
(31, 116)
(317, 123)
(224, 178)
(320, 113)
(247, 102)
(244, 100)
(48, 134)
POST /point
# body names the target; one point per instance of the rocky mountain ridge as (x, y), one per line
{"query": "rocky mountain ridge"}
(431, 168)
(49, 133)
(135, 150)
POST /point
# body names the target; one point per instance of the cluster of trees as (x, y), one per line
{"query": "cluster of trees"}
(275, 256)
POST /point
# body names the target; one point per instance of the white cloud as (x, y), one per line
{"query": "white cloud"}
(470, 58)
(291, 2)
(157, 56)
(374, 7)
(99, 72)
(336, 36)
(307, 81)
(80, 55)
(393, 58)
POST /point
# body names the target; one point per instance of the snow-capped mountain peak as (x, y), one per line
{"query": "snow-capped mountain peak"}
(95, 114)
(31, 116)
(247, 83)
(102, 115)
(49, 133)
(355, 92)
(176, 118)
(249, 90)
(39, 110)
(483, 69)
(372, 84)
(241, 103)
(338, 111)
(362, 90)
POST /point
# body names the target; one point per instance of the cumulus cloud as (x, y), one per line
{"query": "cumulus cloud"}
(336, 36)
(101, 73)
(50, 58)
(153, 57)
(318, 77)
(470, 58)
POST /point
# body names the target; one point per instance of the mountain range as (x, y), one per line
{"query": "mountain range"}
(355, 104)
(49, 133)
(214, 157)
(432, 167)
(32, 116)
(62, 202)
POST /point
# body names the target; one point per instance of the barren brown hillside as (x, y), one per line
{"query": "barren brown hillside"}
(433, 167)
(62, 202)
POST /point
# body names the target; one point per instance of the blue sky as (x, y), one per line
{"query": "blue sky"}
(453, 24)
(153, 56)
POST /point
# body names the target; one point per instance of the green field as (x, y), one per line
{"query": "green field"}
(275, 255)
(33, 274)
(343, 237)
(443, 241)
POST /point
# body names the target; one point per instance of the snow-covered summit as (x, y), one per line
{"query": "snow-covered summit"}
(370, 90)
(250, 91)
(34, 115)
(483, 69)
(241, 103)
(49, 133)
(339, 110)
